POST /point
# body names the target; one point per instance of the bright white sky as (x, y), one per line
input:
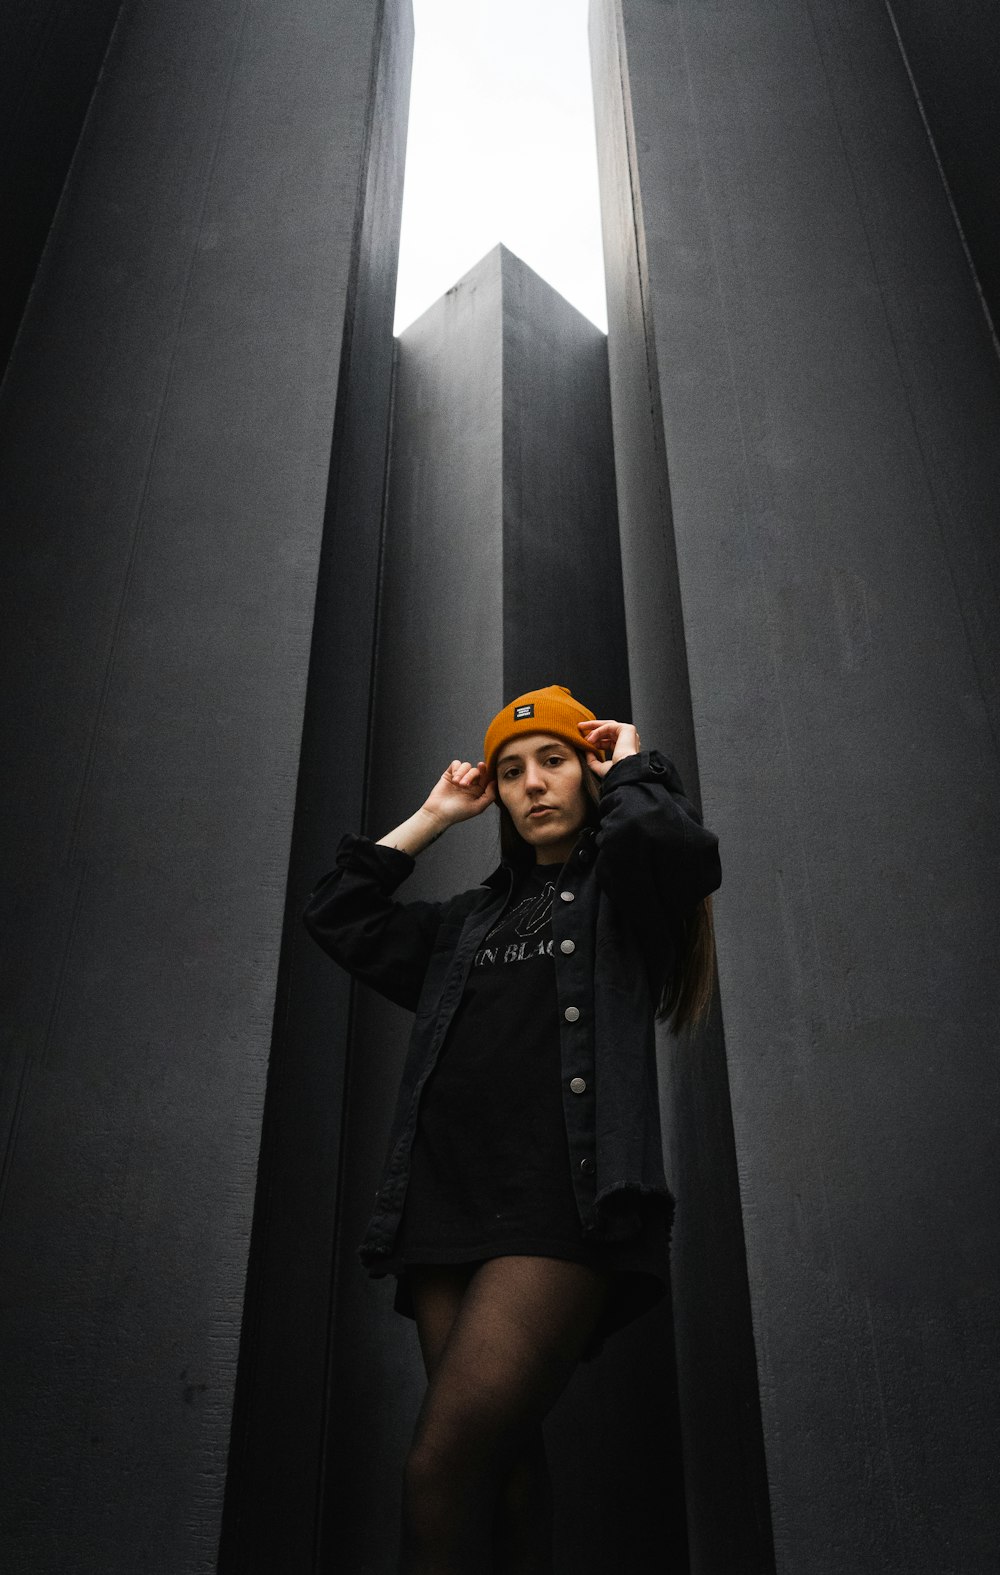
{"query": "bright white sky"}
(501, 148)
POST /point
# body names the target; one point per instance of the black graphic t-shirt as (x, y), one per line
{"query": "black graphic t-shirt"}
(490, 1160)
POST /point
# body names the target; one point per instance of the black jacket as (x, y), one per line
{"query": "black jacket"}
(622, 894)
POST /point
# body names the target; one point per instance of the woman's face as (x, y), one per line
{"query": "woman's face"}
(540, 782)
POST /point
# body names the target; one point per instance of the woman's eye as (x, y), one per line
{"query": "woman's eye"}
(555, 759)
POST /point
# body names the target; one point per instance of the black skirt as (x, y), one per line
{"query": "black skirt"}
(490, 1167)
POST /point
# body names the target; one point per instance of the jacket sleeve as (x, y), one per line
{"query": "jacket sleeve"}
(655, 858)
(353, 916)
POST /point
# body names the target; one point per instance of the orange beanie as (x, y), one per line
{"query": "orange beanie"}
(552, 710)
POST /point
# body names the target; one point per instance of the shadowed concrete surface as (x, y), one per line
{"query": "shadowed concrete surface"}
(803, 313)
(952, 48)
(165, 435)
(50, 59)
(724, 1473)
(278, 1468)
(501, 521)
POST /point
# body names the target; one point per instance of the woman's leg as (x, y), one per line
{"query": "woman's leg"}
(437, 1290)
(522, 1520)
(522, 1525)
(519, 1329)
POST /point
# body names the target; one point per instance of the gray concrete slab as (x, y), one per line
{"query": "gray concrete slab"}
(728, 1517)
(952, 48)
(562, 577)
(278, 1475)
(50, 60)
(166, 430)
(830, 408)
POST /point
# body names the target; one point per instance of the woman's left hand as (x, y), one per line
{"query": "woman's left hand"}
(620, 738)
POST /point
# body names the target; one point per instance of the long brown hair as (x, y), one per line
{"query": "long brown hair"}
(687, 992)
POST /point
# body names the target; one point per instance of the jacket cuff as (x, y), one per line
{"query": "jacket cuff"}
(649, 765)
(387, 866)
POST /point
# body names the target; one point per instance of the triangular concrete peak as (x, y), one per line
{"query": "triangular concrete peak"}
(513, 272)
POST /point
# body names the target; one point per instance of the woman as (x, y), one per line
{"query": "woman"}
(523, 1206)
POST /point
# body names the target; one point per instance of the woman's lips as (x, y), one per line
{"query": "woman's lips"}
(533, 812)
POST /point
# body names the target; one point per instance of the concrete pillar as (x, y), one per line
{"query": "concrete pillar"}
(166, 429)
(724, 1474)
(802, 311)
(49, 65)
(277, 1483)
(952, 49)
(500, 573)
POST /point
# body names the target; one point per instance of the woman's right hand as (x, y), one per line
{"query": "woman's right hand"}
(459, 793)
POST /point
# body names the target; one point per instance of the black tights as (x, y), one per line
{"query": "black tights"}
(500, 1342)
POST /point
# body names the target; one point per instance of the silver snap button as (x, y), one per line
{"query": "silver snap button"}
(571, 1013)
(567, 947)
(587, 1165)
(567, 896)
(578, 1085)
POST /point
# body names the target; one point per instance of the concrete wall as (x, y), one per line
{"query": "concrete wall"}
(277, 1480)
(830, 410)
(500, 522)
(952, 48)
(165, 430)
(50, 60)
(724, 1476)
